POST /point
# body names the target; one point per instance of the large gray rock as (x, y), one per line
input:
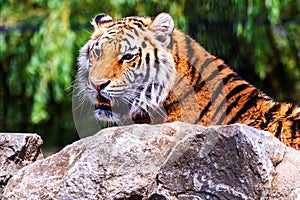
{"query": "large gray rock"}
(16, 151)
(169, 161)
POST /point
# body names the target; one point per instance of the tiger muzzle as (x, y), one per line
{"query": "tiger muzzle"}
(103, 101)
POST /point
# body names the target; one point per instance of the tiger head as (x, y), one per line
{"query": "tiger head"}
(126, 68)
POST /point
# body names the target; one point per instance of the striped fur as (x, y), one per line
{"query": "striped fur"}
(141, 69)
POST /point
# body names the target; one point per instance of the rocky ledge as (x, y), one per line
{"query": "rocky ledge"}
(169, 161)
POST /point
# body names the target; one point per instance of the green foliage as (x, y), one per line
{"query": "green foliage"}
(37, 66)
(51, 63)
(257, 11)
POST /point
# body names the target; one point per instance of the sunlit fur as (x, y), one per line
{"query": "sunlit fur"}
(155, 73)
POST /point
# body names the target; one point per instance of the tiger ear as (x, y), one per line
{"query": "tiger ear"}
(99, 19)
(163, 26)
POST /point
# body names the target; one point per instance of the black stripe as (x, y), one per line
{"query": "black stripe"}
(140, 59)
(199, 86)
(199, 77)
(156, 64)
(249, 104)
(205, 64)
(147, 58)
(195, 62)
(212, 75)
(147, 75)
(156, 57)
(185, 95)
(111, 33)
(180, 80)
(127, 41)
(237, 90)
(279, 130)
(177, 50)
(218, 110)
(217, 91)
(176, 60)
(159, 92)
(140, 52)
(117, 23)
(274, 108)
(173, 103)
(222, 67)
(233, 104)
(138, 24)
(135, 32)
(215, 96)
(148, 92)
(290, 110)
(137, 21)
(140, 27)
(295, 128)
(192, 70)
(203, 112)
(130, 35)
(190, 50)
(232, 76)
(269, 116)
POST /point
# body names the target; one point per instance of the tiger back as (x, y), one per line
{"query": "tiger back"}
(142, 70)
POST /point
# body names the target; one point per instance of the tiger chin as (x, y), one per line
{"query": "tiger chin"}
(142, 70)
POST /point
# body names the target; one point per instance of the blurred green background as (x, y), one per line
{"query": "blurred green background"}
(40, 40)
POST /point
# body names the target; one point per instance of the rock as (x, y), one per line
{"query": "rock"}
(170, 161)
(287, 181)
(16, 151)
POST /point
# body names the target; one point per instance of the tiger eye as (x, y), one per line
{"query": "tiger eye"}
(97, 52)
(128, 56)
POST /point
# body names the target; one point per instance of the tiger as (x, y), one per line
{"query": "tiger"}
(141, 69)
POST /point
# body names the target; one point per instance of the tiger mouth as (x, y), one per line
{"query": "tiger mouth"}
(103, 103)
(102, 107)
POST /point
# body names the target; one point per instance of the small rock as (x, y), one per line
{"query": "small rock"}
(16, 151)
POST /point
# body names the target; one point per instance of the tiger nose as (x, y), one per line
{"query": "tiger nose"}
(100, 84)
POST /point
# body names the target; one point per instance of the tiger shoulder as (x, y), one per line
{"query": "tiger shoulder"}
(142, 70)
